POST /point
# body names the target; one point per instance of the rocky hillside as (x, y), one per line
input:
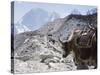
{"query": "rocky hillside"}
(41, 51)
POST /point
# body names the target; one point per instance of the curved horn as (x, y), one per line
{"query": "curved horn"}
(61, 41)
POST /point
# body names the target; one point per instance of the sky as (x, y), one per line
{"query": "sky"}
(21, 8)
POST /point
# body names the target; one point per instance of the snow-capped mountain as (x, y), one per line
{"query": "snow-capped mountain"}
(34, 19)
(20, 28)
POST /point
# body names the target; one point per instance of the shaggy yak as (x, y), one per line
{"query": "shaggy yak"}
(84, 46)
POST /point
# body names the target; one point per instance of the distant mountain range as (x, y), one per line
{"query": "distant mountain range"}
(34, 19)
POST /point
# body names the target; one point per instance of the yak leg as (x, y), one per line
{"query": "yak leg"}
(79, 63)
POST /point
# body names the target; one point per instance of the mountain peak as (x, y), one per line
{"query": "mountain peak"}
(35, 18)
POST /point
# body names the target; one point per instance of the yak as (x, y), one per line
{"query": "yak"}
(84, 46)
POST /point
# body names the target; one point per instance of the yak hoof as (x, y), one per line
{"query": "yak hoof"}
(82, 67)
